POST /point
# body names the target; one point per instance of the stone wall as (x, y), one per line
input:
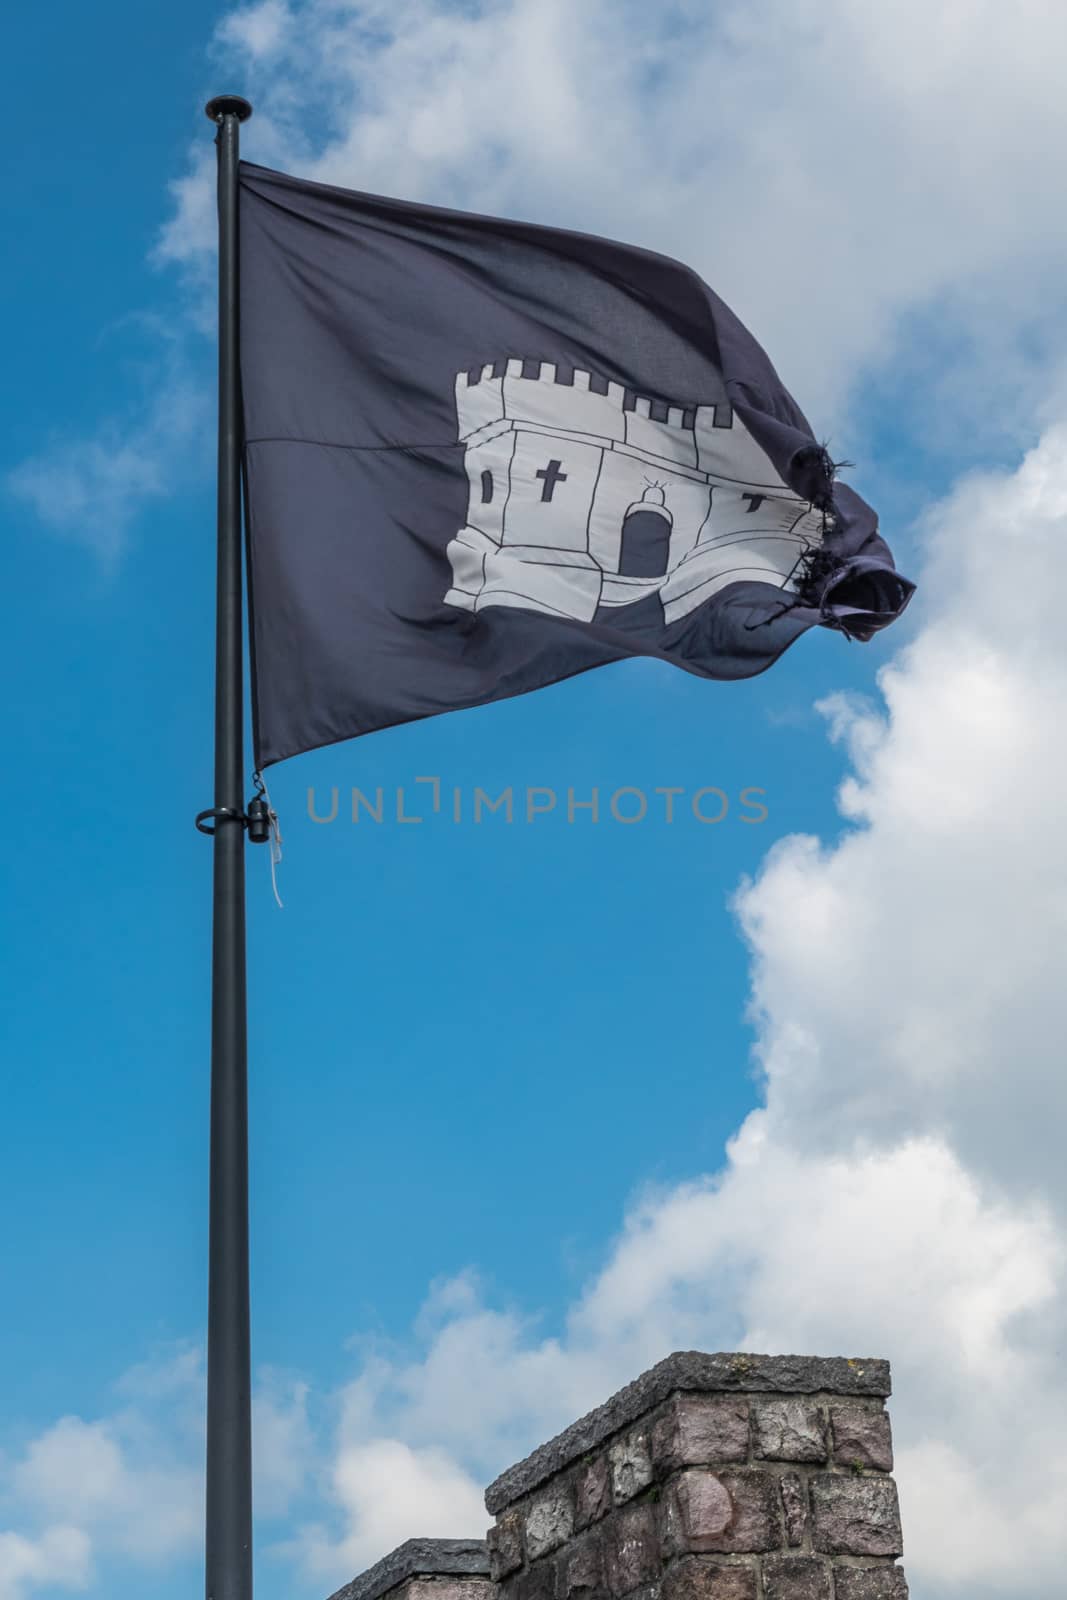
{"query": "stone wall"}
(712, 1477)
(427, 1569)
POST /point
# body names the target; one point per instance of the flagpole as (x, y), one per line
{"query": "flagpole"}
(228, 1531)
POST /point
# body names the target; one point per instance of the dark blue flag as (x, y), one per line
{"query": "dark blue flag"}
(482, 456)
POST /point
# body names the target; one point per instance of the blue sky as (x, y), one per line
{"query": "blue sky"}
(508, 1060)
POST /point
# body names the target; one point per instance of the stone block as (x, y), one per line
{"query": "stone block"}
(789, 1430)
(794, 1507)
(631, 1549)
(505, 1545)
(870, 1583)
(446, 1588)
(592, 1491)
(548, 1520)
(631, 1465)
(795, 1578)
(696, 1512)
(756, 1525)
(700, 1578)
(582, 1569)
(700, 1429)
(855, 1516)
(731, 1512)
(539, 1582)
(861, 1437)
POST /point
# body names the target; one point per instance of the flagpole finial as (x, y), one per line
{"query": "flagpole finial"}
(225, 105)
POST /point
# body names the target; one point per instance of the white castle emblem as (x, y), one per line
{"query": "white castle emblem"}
(584, 495)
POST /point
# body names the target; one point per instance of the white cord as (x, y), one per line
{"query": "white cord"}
(275, 840)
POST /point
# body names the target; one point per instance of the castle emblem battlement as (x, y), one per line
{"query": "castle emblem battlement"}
(586, 495)
(540, 394)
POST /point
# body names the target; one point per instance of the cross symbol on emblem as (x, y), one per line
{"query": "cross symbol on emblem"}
(551, 475)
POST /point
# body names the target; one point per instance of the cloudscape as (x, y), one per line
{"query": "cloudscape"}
(794, 1088)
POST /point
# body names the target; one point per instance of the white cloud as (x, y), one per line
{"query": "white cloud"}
(58, 1558)
(949, 1505)
(92, 488)
(925, 943)
(144, 1503)
(74, 1466)
(832, 169)
(257, 31)
(377, 1484)
(127, 1488)
(282, 1441)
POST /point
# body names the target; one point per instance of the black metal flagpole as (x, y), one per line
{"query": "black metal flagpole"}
(229, 1400)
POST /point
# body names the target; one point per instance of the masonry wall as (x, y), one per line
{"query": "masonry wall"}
(712, 1477)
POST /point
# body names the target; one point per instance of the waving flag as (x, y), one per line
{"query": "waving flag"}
(482, 456)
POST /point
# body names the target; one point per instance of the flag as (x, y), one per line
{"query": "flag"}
(482, 456)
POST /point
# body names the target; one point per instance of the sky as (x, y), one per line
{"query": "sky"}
(533, 1105)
